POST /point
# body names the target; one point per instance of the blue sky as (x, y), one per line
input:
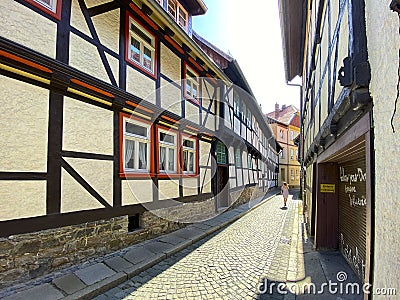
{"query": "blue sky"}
(251, 34)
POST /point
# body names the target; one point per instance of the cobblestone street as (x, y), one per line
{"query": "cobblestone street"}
(230, 264)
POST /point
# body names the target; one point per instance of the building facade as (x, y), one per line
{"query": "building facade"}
(116, 127)
(347, 55)
(285, 125)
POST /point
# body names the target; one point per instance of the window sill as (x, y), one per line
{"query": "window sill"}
(126, 175)
(193, 100)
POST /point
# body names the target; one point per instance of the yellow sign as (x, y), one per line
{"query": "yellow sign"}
(327, 188)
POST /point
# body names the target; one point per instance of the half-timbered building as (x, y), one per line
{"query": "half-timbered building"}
(112, 117)
(347, 55)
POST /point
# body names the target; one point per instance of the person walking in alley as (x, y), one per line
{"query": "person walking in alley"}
(285, 192)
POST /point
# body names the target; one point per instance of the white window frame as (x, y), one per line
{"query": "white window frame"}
(136, 139)
(192, 81)
(189, 150)
(174, 8)
(142, 45)
(52, 6)
(168, 146)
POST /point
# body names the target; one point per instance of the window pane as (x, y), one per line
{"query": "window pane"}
(185, 160)
(194, 92)
(135, 50)
(191, 162)
(163, 158)
(147, 60)
(188, 143)
(129, 154)
(182, 18)
(172, 8)
(188, 88)
(135, 129)
(142, 156)
(171, 160)
(167, 138)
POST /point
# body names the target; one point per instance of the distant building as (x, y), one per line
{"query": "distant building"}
(285, 125)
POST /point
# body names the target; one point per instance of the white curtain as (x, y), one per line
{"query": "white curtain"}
(162, 158)
(129, 146)
(142, 156)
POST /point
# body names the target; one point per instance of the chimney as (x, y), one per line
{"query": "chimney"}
(276, 110)
(283, 106)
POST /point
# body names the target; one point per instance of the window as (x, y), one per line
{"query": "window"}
(250, 161)
(191, 85)
(136, 146)
(244, 112)
(236, 103)
(178, 13)
(249, 116)
(281, 133)
(291, 154)
(297, 174)
(167, 151)
(220, 153)
(283, 177)
(51, 7)
(141, 45)
(292, 174)
(283, 153)
(189, 155)
(291, 135)
(238, 157)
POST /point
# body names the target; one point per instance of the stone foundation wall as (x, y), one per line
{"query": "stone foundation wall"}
(27, 256)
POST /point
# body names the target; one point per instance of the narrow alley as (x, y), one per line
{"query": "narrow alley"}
(250, 259)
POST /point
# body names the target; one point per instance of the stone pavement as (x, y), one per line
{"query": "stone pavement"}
(249, 252)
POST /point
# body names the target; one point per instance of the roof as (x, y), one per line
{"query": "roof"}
(291, 18)
(195, 7)
(287, 116)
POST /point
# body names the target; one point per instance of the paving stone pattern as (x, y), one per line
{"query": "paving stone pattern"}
(229, 264)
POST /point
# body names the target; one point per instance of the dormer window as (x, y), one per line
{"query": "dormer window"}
(178, 13)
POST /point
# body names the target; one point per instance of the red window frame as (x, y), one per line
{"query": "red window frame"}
(163, 174)
(127, 42)
(56, 14)
(196, 158)
(135, 174)
(186, 95)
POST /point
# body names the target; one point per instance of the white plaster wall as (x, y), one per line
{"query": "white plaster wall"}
(189, 186)
(140, 85)
(98, 173)
(137, 191)
(168, 189)
(205, 180)
(22, 199)
(16, 21)
(78, 20)
(171, 97)
(170, 64)
(107, 28)
(23, 126)
(383, 49)
(87, 128)
(204, 154)
(85, 57)
(74, 197)
(191, 112)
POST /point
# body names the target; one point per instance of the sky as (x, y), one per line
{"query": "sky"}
(250, 32)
